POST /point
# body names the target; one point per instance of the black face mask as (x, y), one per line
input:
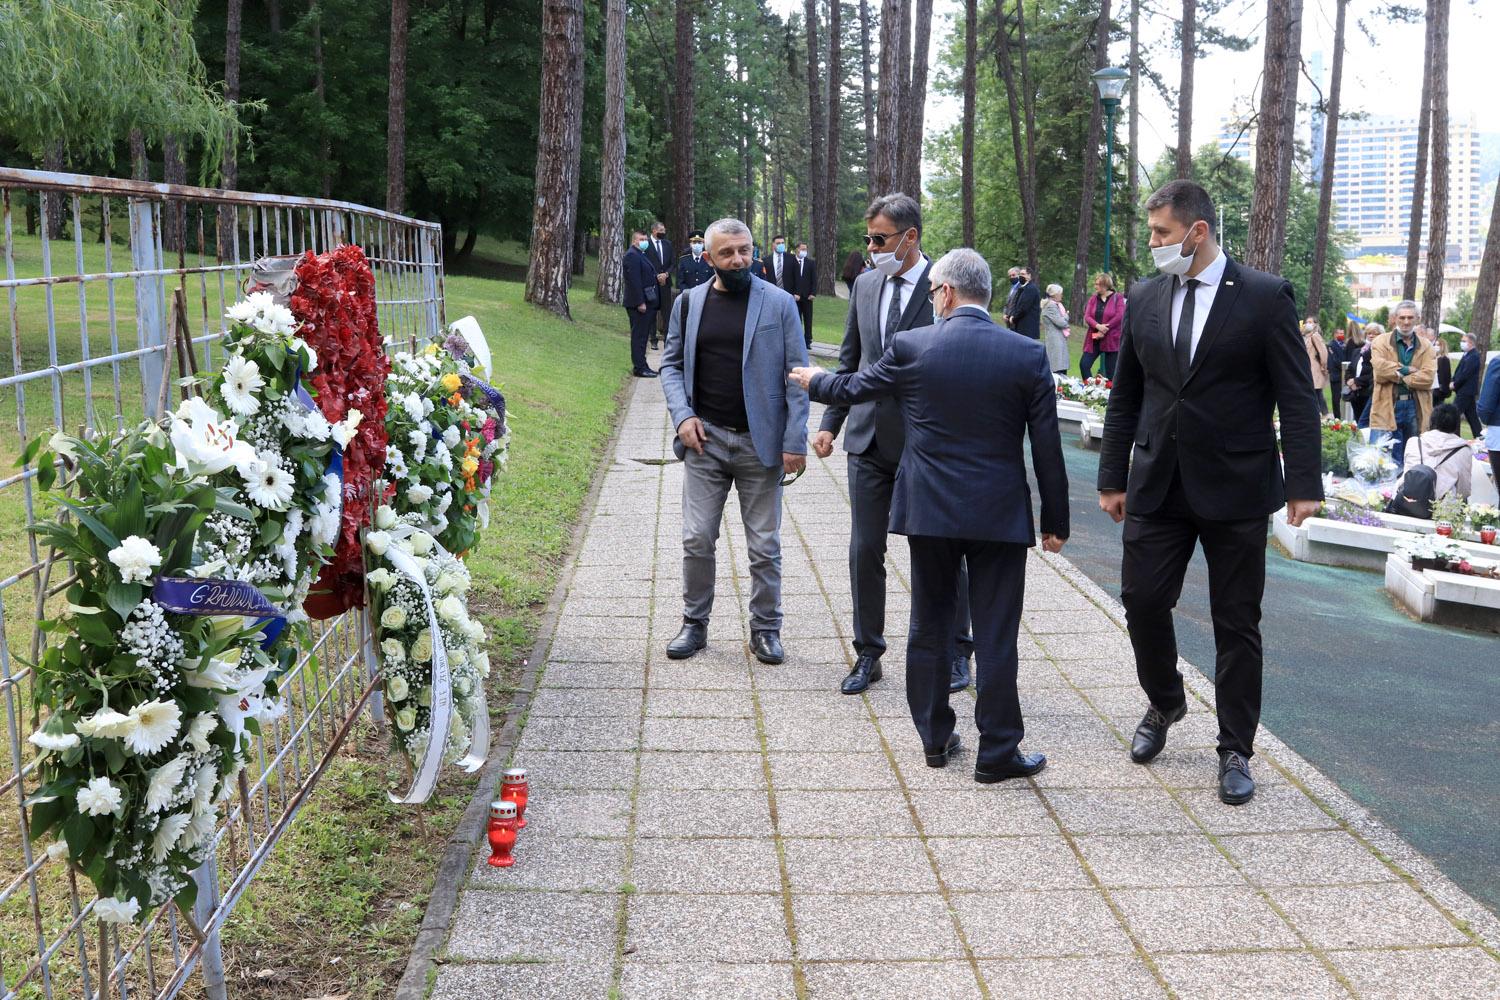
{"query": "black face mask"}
(736, 280)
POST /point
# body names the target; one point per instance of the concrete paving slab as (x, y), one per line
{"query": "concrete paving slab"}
(982, 810)
(707, 981)
(1203, 918)
(1420, 974)
(891, 980)
(1306, 859)
(551, 862)
(858, 864)
(705, 865)
(526, 926)
(715, 772)
(1382, 916)
(1040, 924)
(1005, 864)
(876, 928)
(557, 980)
(583, 769)
(702, 813)
(1272, 975)
(674, 928)
(576, 813)
(1156, 861)
(1050, 978)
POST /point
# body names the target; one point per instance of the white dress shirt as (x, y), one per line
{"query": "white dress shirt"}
(907, 286)
(1208, 286)
(659, 257)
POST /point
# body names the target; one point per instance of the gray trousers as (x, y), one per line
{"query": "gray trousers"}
(729, 459)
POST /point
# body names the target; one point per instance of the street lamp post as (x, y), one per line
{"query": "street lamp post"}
(1110, 82)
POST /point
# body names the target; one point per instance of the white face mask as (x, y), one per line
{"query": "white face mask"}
(801, 254)
(697, 249)
(1173, 259)
(886, 263)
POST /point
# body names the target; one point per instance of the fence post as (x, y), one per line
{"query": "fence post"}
(431, 256)
(150, 301)
(206, 876)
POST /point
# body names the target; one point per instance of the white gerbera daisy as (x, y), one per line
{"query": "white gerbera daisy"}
(270, 487)
(154, 724)
(242, 381)
(199, 731)
(105, 724)
(54, 741)
(164, 782)
(167, 834)
(99, 798)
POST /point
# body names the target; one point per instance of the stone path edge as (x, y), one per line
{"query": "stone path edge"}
(452, 870)
(1415, 868)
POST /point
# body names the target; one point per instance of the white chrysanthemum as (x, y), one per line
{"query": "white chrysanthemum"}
(412, 404)
(153, 724)
(57, 850)
(298, 344)
(377, 542)
(451, 437)
(261, 311)
(419, 494)
(54, 741)
(242, 380)
(323, 525)
(198, 829)
(99, 798)
(116, 911)
(164, 781)
(105, 724)
(203, 790)
(270, 487)
(136, 558)
(397, 688)
(166, 835)
(333, 491)
(199, 731)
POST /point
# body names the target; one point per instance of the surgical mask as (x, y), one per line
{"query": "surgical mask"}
(1174, 259)
(781, 248)
(644, 244)
(886, 263)
(735, 279)
(801, 254)
(697, 248)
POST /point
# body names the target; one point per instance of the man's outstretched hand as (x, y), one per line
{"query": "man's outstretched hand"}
(802, 377)
(1112, 502)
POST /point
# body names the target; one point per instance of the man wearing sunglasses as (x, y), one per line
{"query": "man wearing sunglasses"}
(887, 299)
(973, 393)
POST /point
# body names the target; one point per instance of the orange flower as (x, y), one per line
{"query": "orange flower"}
(455, 399)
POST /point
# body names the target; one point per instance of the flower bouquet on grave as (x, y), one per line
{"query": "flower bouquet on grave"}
(1430, 551)
(153, 682)
(1337, 434)
(1372, 464)
(432, 660)
(1484, 518)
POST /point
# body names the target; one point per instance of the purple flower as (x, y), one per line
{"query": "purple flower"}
(456, 345)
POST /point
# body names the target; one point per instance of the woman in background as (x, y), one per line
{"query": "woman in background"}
(1055, 330)
(1103, 318)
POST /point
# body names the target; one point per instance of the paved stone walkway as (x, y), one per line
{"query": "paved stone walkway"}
(722, 829)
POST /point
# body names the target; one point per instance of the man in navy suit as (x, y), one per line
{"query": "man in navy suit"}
(972, 392)
(659, 253)
(642, 301)
(1466, 383)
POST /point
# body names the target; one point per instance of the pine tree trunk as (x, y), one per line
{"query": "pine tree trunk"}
(683, 175)
(1028, 104)
(1274, 136)
(817, 149)
(903, 83)
(1437, 227)
(52, 159)
(173, 213)
(1419, 176)
(916, 104)
(971, 46)
(320, 92)
(828, 250)
(1006, 65)
(869, 95)
(273, 16)
(559, 141)
(1091, 158)
(886, 166)
(395, 135)
(1132, 156)
(1330, 149)
(224, 222)
(612, 161)
(140, 165)
(1483, 323)
(1185, 89)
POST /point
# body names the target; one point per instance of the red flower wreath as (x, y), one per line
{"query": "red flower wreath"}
(335, 300)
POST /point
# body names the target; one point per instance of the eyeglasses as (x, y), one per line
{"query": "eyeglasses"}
(878, 239)
(931, 292)
(785, 481)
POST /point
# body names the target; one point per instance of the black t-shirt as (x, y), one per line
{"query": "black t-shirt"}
(718, 371)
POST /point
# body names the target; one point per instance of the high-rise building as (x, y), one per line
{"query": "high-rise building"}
(1236, 139)
(1373, 182)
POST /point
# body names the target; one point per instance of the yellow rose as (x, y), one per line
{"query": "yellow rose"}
(470, 466)
(451, 382)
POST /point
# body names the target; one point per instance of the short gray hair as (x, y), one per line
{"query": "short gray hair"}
(1373, 330)
(964, 271)
(725, 227)
(901, 209)
(1407, 304)
(1054, 289)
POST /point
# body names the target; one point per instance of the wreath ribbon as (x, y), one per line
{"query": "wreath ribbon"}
(188, 595)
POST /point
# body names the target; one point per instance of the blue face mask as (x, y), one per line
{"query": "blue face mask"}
(644, 244)
(781, 248)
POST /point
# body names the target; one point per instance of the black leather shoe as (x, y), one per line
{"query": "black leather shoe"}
(940, 758)
(866, 672)
(1151, 734)
(961, 677)
(1236, 787)
(692, 638)
(645, 373)
(766, 646)
(1020, 765)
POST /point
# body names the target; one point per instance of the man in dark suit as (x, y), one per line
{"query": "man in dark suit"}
(1026, 307)
(888, 298)
(1466, 384)
(972, 392)
(1336, 361)
(778, 263)
(642, 301)
(1014, 277)
(693, 268)
(802, 283)
(1211, 349)
(659, 253)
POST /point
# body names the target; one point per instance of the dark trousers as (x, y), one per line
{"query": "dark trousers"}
(664, 295)
(1086, 363)
(997, 584)
(1158, 546)
(804, 306)
(1469, 407)
(1333, 399)
(641, 326)
(871, 478)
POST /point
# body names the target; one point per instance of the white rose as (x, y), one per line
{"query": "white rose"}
(385, 517)
(421, 650)
(393, 617)
(424, 697)
(406, 719)
(397, 688)
(452, 609)
(393, 650)
(381, 579)
(421, 542)
(378, 542)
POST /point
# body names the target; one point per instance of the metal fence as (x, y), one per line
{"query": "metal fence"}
(96, 270)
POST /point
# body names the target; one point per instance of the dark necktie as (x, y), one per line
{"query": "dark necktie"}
(893, 314)
(1185, 330)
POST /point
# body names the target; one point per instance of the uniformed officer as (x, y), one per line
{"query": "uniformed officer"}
(693, 269)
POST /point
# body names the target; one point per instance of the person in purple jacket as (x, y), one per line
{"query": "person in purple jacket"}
(1103, 320)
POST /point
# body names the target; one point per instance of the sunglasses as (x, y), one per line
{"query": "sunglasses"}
(878, 239)
(785, 481)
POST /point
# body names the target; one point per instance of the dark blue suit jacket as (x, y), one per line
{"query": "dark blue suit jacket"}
(1489, 396)
(972, 391)
(1466, 376)
(640, 275)
(1026, 311)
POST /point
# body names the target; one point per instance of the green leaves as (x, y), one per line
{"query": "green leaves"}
(99, 529)
(123, 598)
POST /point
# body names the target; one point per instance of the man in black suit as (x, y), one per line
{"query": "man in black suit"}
(802, 282)
(659, 253)
(1026, 307)
(888, 298)
(778, 263)
(1210, 351)
(973, 392)
(1466, 384)
(642, 301)
(1014, 277)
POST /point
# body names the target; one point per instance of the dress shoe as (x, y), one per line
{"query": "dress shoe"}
(961, 677)
(866, 672)
(692, 638)
(940, 758)
(1020, 765)
(644, 373)
(1236, 787)
(766, 645)
(1151, 734)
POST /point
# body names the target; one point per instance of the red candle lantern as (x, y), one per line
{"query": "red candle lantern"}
(1445, 529)
(1487, 535)
(502, 834)
(513, 788)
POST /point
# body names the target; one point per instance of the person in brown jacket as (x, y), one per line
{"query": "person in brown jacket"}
(1317, 357)
(1405, 369)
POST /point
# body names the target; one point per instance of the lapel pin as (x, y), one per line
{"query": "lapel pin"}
(1228, 282)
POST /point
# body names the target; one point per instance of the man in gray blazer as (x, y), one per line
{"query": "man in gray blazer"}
(886, 300)
(730, 344)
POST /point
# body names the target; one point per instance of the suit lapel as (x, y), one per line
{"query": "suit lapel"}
(918, 295)
(868, 308)
(752, 314)
(1229, 290)
(1166, 339)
